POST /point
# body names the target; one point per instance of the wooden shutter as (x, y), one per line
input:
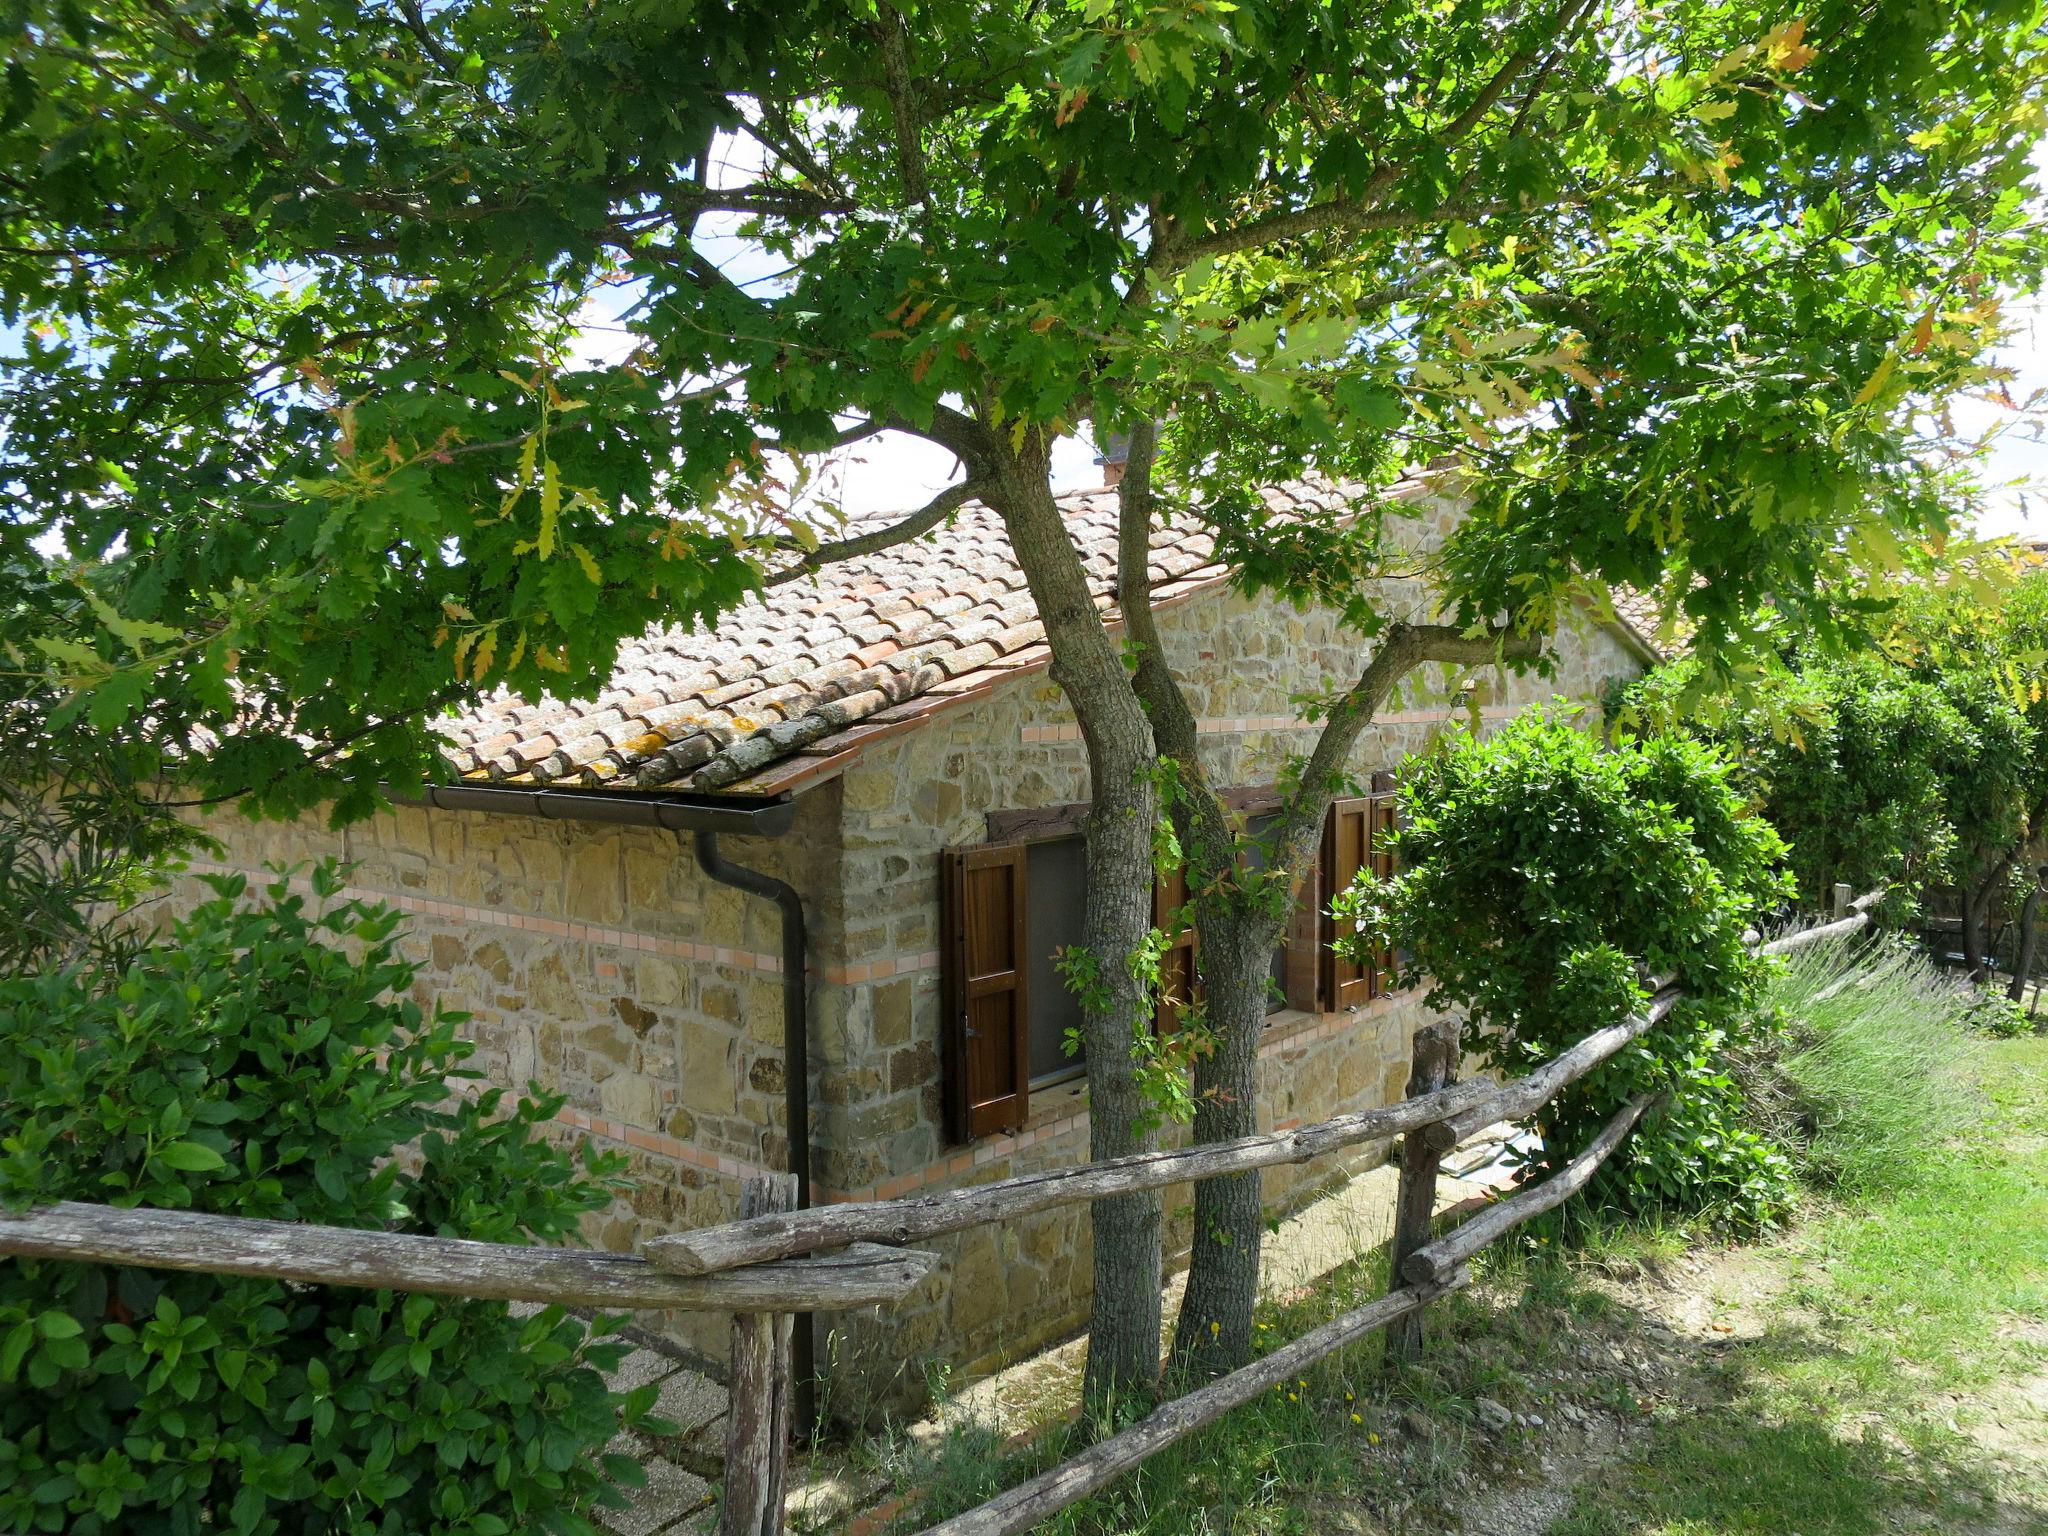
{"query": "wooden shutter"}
(1382, 852)
(986, 1041)
(1347, 849)
(1301, 970)
(1177, 977)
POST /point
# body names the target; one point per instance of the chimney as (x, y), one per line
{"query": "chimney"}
(1114, 453)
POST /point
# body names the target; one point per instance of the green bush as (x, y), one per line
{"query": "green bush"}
(1920, 764)
(1871, 1072)
(262, 1061)
(1543, 878)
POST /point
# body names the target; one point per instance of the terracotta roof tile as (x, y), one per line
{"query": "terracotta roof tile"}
(790, 668)
(1642, 615)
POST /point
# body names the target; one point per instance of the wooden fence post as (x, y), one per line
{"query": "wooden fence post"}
(1434, 1067)
(1839, 906)
(763, 1385)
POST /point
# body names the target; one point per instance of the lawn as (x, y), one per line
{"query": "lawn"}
(1899, 1383)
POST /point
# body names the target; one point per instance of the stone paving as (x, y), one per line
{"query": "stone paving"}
(678, 1499)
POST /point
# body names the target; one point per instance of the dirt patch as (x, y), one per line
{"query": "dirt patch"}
(1666, 1325)
(2010, 1422)
(1670, 1345)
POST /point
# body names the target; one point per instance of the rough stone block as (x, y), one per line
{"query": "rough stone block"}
(633, 1099)
(892, 1014)
(708, 1086)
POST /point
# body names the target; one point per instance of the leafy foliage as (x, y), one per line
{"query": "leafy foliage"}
(81, 835)
(1544, 880)
(297, 290)
(253, 1062)
(1858, 786)
(1922, 765)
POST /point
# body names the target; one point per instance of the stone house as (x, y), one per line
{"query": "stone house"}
(724, 899)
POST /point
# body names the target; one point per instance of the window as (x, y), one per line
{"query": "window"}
(1007, 910)
(1058, 882)
(1006, 913)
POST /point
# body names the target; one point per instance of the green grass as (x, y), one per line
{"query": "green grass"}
(1851, 1414)
(1908, 1285)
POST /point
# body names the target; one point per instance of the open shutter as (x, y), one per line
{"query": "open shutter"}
(986, 1041)
(1177, 979)
(1301, 971)
(1383, 825)
(1347, 846)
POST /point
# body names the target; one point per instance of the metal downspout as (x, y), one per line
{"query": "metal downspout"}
(796, 1074)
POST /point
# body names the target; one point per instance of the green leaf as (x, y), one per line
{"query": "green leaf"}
(550, 507)
(1371, 404)
(190, 1157)
(19, 1339)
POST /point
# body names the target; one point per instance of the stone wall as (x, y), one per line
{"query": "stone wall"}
(601, 964)
(1006, 1292)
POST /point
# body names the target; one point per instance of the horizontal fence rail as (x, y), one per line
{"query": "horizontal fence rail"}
(862, 1276)
(709, 1249)
(1448, 1115)
(1525, 1095)
(1434, 1263)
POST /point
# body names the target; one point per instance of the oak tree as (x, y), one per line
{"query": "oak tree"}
(298, 287)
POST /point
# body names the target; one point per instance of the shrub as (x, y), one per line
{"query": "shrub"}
(1543, 878)
(1920, 764)
(1872, 1068)
(263, 1062)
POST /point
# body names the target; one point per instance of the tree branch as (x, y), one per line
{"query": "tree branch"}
(1351, 216)
(1365, 212)
(1402, 648)
(1567, 16)
(1136, 506)
(892, 32)
(917, 524)
(789, 144)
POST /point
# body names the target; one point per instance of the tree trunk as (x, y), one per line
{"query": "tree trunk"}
(1974, 904)
(2023, 959)
(1214, 1332)
(1123, 1330)
(1123, 1338)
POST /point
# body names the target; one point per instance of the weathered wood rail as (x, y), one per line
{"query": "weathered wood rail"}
(864, 1275)
(775, 1261)
(1421, 1270)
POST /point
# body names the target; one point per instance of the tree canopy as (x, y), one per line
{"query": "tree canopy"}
(294, 292)
(1920, 765)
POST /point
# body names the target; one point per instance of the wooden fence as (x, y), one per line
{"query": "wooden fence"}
(775, 1261)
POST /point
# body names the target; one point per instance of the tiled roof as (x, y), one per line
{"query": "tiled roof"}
(807, 671)
(1641, 613)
